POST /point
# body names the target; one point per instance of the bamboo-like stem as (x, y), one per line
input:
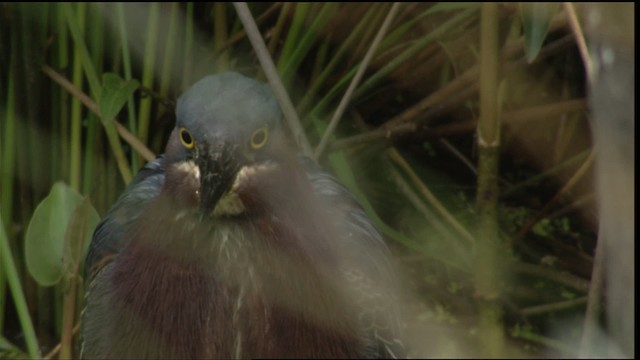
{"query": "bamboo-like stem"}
(488, 275)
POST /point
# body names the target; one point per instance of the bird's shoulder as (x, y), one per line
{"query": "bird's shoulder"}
(108, 238)
(367, 264)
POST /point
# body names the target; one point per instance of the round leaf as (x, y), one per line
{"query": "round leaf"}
(45, 237)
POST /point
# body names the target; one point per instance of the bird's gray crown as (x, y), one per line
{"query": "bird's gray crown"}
(229, 102)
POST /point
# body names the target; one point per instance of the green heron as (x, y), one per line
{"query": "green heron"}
(230, 245)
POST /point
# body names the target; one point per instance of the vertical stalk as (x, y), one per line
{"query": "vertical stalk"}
(7, 176)
(9, 268)
(488, 277)
(126, 61)
(169, 50)
(148, 71)
(62, 157)
(220, 35)
(76, 106)
(96, 32)
(188, 48)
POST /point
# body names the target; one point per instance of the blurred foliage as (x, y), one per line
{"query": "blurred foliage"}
(406, 146)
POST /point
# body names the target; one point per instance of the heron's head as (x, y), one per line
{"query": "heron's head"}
(227, 134)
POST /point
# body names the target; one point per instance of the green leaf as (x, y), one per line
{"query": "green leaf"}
(45, 238)
(83, 221)
(536, 17)
(115, 93)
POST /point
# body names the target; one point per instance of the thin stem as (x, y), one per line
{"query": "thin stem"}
(356, 80)
(594, 305)
(11, 273)
(430, 197)
(126, 61)
(557, 306)
(272, 75)
(579, 35)
(551, 274)
(567, 186)
(76, 22)
(148, 71)
(91, 105)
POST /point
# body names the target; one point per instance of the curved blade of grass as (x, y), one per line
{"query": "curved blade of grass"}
(291, 41)
(412, 50)
(15, 286)
(385, 70)
(536, 17)
(372, 16)
(290, 63)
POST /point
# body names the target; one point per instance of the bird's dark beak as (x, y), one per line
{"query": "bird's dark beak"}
(219, 164)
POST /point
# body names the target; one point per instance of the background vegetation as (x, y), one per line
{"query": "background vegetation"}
(494, 231)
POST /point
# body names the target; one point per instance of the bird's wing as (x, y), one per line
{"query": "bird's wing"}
(367, 267)
(108, 238)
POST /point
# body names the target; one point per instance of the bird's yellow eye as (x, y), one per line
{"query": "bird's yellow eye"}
(259, 138)
(186, 139)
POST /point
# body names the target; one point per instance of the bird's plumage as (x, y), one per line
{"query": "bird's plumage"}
(283, 262)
